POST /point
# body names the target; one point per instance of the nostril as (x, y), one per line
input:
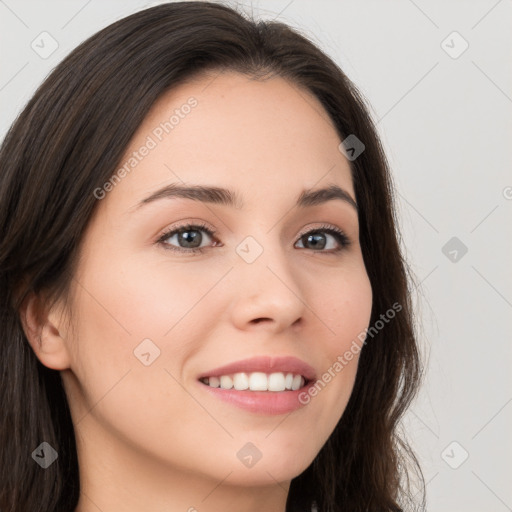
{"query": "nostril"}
(258, 320)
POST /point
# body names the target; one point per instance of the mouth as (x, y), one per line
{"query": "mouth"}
(257, 381)
(261, 385)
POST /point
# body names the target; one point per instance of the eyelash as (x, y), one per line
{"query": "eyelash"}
(338, 234)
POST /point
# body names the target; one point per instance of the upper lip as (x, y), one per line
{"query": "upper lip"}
(265, 364)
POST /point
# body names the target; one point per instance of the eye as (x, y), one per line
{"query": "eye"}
(317, 239)
(188, 237)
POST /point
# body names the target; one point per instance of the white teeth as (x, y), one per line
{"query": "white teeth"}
(257, 381)
(214, 382)
(226, 382)
(241, 381)
(297, 382)
(276, 382)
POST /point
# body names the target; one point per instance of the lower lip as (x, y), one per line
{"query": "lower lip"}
(261, 402)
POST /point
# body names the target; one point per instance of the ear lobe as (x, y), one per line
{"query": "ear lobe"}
(45, 333)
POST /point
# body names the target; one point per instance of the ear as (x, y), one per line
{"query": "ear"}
(45, 332)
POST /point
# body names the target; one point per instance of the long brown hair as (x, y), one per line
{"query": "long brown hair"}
(68, 141)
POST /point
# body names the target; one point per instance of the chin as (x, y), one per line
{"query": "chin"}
(275, 463)
(263, 474)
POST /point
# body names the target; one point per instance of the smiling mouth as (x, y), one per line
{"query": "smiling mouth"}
(257, 381)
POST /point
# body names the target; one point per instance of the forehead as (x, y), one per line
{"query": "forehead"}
(260, 137)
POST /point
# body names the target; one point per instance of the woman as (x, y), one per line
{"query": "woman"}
(205, 305)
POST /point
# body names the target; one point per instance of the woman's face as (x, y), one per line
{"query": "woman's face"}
(152, 315)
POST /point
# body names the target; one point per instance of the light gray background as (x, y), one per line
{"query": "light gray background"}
(447, 127)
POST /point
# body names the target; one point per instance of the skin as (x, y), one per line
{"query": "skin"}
(148, 437)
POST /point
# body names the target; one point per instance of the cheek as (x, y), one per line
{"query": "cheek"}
(144, 319)
(133, 301)
(345, 310)
(123, 310)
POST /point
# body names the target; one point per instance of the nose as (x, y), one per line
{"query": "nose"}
(267, 293)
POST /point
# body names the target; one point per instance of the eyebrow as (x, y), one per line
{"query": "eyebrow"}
(224, 196)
